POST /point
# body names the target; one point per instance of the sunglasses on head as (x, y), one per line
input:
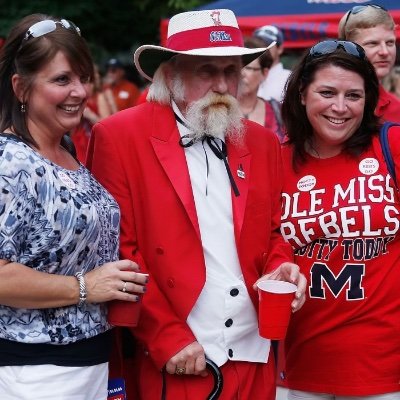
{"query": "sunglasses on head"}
(44, 27)
(330, 46)
(358, 9)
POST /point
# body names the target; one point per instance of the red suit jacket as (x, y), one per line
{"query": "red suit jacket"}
(135, 154)
(388, 108)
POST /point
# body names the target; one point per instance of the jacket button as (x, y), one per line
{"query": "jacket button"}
(159, 250)
(234, 292)
(229, 322)
(230, 353)
(171, 282)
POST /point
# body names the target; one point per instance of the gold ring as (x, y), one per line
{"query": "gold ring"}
(180, 370)
(124, 287)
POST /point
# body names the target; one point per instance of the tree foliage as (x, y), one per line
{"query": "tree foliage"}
(111, 27)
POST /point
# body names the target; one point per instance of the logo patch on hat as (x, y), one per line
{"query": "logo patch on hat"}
(220, 36)
(215, 15)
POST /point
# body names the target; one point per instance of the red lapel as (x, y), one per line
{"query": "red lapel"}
(172, 158)
(239, 159)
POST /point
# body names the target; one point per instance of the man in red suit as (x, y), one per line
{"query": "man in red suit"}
(199, 190)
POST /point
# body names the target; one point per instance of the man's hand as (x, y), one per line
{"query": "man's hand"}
(289, 272)
(190, 360)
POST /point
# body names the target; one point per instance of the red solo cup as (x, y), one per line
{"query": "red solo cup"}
(124, 313)
(275, 298)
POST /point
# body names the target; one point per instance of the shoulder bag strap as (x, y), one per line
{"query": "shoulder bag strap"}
(383, 137)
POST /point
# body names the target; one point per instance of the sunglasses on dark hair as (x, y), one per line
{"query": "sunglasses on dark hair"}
(44, 27)
(358, 9)
(330, 46)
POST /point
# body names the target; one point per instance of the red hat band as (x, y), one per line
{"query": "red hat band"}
(211, 36)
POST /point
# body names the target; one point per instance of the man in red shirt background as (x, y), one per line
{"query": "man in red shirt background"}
(124, 91)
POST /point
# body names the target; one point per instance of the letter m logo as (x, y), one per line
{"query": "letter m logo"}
(350, 276)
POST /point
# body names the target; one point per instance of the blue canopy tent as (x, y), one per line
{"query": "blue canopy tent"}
(303, 22)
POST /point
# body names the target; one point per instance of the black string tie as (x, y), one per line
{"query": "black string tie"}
(217, 146)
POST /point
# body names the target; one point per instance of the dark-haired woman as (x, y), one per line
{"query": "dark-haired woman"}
(59, 228)
(341, 215)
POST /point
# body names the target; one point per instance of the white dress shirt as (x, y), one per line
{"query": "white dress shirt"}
(273, 86)
(223, 319)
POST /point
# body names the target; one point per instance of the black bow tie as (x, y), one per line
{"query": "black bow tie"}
(217, 146)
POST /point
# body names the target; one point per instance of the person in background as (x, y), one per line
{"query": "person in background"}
(373, 28)
(254, 108)
(392, 81)
(99, 105)
(274, 84)
(205, 229)
(124, 91)
(59, 228)
(340, 213)
(143, 95)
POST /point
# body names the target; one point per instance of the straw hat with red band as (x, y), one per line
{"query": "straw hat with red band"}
(198, 33)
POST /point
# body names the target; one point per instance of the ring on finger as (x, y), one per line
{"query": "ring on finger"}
(124, 287)
(180, 370)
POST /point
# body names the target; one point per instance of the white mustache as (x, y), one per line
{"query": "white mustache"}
(216, 115)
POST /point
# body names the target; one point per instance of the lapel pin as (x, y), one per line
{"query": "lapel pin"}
(240, 172)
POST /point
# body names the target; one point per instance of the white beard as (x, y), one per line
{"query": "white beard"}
(216, 115)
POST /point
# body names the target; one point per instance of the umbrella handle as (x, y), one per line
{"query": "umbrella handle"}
(218, 379)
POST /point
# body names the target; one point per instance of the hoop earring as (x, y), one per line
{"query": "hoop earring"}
(23, 107)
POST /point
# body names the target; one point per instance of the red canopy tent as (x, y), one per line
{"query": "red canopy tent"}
(303, 22)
